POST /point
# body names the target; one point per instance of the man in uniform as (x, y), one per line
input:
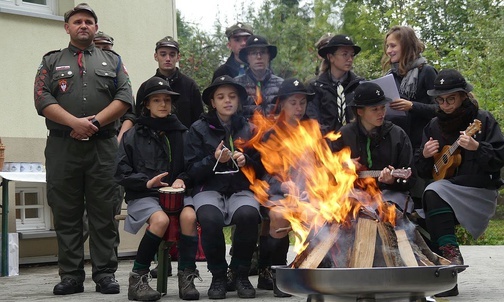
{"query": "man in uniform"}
(82, 93)
(189, 103)
(237, 38)
(103, 41)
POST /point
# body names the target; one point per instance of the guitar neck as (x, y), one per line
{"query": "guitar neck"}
(369, 173)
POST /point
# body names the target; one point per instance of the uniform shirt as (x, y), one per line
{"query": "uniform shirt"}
(82, 91)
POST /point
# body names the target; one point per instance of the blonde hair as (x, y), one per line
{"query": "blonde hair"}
(411, 47)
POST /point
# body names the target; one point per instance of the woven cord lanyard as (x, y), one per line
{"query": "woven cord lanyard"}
(169, 149)
(368, 150)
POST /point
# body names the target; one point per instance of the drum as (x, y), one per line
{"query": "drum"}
(172, 202)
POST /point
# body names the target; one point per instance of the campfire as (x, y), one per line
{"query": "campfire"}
(335, 224)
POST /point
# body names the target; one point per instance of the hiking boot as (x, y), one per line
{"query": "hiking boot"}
(452, 254)
(242, 284)
(254, 263)
(217, 288)
(231, 280)
(276, 291)
(187, 290)
(108, 285)
(449, 293)
(154, 271)
(68, 286)
(265, 279)
(139, 288)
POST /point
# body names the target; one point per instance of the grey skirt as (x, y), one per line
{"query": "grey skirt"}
(473, 207)
(227, 206)
(140, 210)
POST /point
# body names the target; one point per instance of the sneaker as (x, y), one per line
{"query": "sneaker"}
(108, 285)
(452, 254)
(243, 285)
(139, 288)
(68, 286)
(265, 279)
(187, 290)
(217, 288)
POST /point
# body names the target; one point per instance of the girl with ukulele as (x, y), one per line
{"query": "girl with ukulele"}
(469, 195)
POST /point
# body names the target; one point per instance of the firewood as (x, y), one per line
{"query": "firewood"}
(405, 249)
(390, 249)
(318, 252)
(424, 248)
(365, 242)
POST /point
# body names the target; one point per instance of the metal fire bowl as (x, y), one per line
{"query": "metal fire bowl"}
(367, 284)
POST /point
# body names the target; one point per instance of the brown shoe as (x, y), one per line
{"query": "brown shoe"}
(452, 254)
(187, 290)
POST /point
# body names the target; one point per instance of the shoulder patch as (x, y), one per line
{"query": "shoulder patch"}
(52, 51)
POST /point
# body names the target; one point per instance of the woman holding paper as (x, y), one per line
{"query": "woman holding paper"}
(413, 76)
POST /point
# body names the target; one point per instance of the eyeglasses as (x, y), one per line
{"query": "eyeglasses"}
(257, 53)
(226, 172)
(346, 55)
(449, 100)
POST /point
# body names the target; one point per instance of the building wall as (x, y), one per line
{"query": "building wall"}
(135, 25)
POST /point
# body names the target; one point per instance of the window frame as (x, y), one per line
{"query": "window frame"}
(43, 221)
(20, 7)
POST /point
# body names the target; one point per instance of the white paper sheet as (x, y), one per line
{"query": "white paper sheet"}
(388, 85)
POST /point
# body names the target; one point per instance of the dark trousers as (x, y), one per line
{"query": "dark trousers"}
(78, 171)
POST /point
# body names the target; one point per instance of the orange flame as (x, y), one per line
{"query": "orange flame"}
(258, 99)
(324, 190)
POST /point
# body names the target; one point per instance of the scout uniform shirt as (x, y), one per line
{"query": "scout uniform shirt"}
(82, 82)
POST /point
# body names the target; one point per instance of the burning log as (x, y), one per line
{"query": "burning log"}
(389, 246)
(365, 243)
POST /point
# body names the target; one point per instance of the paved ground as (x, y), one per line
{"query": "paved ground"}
(482, 281)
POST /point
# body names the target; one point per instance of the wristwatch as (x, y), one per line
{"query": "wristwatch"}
(95, 122)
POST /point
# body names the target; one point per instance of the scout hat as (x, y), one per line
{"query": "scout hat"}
(369, 94)
(257, 41)
(156, 85)
(219, 81)
(292, 86)
(239, 29)
(78, 8)
(323, 40)
(335, 42)
(449, 81)
(103, 38)
(167, 41)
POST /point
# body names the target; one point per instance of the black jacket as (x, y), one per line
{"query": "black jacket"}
(143, 153)
(480, 168)
(230, 68)
(189, 105)
(204, 137)
(324, 107)
(424, 108)
(390, 147)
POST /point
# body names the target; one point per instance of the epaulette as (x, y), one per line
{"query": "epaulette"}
(52, 51)
(112, 52)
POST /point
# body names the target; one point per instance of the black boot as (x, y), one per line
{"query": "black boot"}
(265, 279)
(449, 293)
(217, 288)
(242, 283)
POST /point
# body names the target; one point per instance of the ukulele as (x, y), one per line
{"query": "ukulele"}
(403, 174)
(446, 161)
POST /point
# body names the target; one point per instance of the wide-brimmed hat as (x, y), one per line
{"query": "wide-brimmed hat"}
(292, 86)
(335, 42)
(449, 81)
(219, 81)
(102, 37)
(157, 85)
(257, 41)
(167, 41)
(80, 7)
(239, 29)
(369, 94)
(324, 39)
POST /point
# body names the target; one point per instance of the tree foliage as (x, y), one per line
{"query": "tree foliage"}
(464, 34)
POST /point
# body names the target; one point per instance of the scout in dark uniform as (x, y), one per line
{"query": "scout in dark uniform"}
(103, 41)
(81, 93)
(237, 38)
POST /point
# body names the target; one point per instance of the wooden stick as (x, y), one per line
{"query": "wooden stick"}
(286, 229)
(405, 249)
(365, 244)
(318, 253)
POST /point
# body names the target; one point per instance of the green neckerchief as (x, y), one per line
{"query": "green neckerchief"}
(368, 150)
(169, 148)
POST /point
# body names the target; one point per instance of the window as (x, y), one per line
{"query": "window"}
(30, 7)
(32, 211)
